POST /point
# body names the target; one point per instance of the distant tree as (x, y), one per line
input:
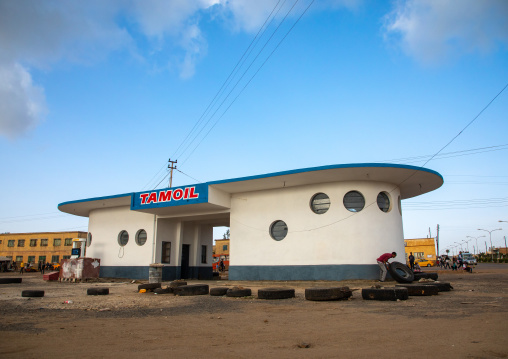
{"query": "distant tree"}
(226, 235)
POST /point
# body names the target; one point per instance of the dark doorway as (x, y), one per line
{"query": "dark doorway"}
(185, 260)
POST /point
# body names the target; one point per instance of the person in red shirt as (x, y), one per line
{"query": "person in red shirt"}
(383, 263)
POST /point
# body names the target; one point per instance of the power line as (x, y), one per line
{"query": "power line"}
(451, 154)
(250, 80)
(190, 138)
(238, 81)
(224, 84)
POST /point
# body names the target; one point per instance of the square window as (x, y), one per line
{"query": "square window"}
(166, 252)
(31, 259)
(55, 259)
(42, 259)
(33, 242)
(44, 242)
(225, 247)
(66, 257)
(68, 242)
(10, 243)
(19, 258)
(57, 242)
(21, 242)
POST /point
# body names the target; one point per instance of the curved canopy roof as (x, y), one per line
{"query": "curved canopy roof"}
(411, 180)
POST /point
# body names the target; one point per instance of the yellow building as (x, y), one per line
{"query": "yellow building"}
(422, 248)
(38, 247)
(221, 252)
(221, 247)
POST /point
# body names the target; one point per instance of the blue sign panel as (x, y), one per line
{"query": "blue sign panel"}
(177, 196)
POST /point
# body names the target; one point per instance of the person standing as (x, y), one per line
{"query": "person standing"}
(411, 261)
(21, 267)
(383, 263)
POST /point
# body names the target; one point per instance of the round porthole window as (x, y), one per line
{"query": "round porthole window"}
(383, 202)
(141, 237)
(278, 230)
(89, 240)
(354, 201)
(123, 238)
(320, 203)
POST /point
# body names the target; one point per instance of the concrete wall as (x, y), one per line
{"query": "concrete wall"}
(315, 242)
(132, 260)
(129, 261)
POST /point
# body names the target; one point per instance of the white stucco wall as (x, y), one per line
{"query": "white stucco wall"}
(335, 237)
(105, 226)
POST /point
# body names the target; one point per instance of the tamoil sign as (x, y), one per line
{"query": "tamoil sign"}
(170, 197)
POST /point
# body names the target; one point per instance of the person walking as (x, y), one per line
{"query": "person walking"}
(411, 261)
(21, 267)
(383, 263)
(447, 262)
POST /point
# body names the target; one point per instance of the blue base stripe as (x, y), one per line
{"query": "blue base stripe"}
(311, 272)
(142, 272)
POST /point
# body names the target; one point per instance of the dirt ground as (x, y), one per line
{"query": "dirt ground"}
(469, 322)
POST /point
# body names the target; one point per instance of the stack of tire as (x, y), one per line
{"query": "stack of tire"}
(405, 276)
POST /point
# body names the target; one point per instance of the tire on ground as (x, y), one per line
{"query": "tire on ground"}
(392, 293)
(419, 289)
(236, 292)
(322, 294)
(149, 286)
(10, 280)
(441, 286)
(97, 291)
(276, 293)
(191, 289)
(401, 272)
(32, 293)
(218, 291)
(167, 290)
(177, 283)
(424, 275)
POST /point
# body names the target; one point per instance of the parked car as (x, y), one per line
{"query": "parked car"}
(424, 262)
(469, 258)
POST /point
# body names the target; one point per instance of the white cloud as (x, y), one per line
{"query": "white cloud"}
(22, 104)
(433, 31)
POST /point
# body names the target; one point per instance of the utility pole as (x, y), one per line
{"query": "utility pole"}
(173, 167)
(437, 239)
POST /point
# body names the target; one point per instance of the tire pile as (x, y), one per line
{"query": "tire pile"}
(426, 285)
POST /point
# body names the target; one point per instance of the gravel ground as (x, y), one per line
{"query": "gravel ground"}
(469, 321)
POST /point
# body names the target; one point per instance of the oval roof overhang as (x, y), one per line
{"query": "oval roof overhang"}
(411, 180)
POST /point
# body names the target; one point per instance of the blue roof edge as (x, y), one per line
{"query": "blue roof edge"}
(321, 168)
(274, 174)
(96, 199)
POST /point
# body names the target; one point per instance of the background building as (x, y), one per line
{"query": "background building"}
(422, 248)
(38, 247)
(221, 251)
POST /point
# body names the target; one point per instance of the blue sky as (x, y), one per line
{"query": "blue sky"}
(96, 96)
